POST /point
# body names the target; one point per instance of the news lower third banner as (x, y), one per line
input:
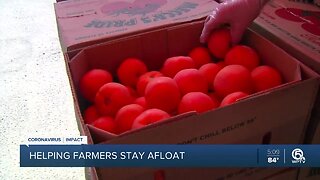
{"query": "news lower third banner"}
(169, 155)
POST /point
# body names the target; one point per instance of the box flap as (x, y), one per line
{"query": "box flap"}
(293, 26)
(85, 22)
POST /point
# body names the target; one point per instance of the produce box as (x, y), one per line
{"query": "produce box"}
(311, 173)
(153, 31)
(276, 116)
(290, 174)
(295, 27)
(83, 23)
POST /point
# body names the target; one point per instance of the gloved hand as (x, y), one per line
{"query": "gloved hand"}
(239, 14)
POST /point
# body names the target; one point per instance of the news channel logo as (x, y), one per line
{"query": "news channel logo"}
(297, 155)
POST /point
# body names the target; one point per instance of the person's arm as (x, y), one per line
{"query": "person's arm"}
(239, 14)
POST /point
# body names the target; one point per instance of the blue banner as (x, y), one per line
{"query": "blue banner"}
(170, 155)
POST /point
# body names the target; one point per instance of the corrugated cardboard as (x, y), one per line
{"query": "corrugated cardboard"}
(293, 26)
(276, 116)
(86, 22)
(288, 174)
(256, 174)
(83, 23)
(311, 173)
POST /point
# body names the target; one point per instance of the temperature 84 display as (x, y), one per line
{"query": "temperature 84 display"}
(273, 155)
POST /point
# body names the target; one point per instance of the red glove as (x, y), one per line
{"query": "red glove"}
(239, 14)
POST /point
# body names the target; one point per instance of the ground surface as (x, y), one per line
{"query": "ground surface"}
(35, 96)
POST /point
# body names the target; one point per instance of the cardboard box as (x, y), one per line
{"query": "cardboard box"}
(202, 173)
(289, 174)
(278, 116)
(82, 23)
(311, 173)
(295, 27)
(73, 16)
